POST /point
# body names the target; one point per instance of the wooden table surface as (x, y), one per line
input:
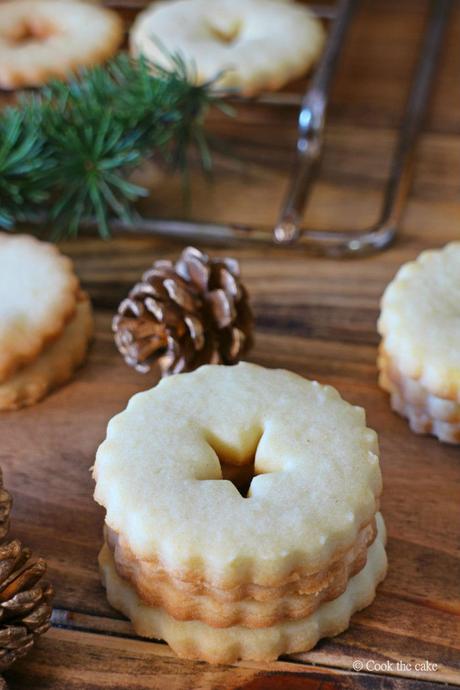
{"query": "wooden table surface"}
(314, 316)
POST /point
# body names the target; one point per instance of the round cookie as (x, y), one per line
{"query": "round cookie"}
(316, 485)
(54, 366)
(420, 321)
(44, 39)
(212, 610)
(412, 391)
(242, 43)
(421, 422)
(194, 639)
(426, 413)
(38, 296)
(147, 577)
(419, 360)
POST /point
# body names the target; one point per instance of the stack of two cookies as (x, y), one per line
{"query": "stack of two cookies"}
(419, 357)
(220, 575)
(45, 320)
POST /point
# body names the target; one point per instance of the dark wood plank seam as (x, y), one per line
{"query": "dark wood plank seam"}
(309, 666)
(72, 625)
(108, 633)
(354, 674)
(453, 610)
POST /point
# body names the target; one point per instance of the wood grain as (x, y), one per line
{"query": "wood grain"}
(69, 660)
(316, 317)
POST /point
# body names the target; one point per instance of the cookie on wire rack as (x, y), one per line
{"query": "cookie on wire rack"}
(245, 45)
(45, 39)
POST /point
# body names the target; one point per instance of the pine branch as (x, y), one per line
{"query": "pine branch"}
(21, 168)
(73, 145)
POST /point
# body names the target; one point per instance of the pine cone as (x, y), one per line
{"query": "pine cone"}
(5, 509)
(25, 602)
(186, 314)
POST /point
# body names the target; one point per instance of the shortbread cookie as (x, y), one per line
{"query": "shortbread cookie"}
(196, 640)
(145, 572)
(420, 321)
(248, 45)
(422, 423)
(43, 39)
(147, 577)
(427, 414)
(415, 394)
(55, 364)
(316, 485)
(419, 357)
(38, 295)
(249, 613)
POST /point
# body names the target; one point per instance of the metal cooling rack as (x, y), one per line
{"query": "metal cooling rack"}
(288, 230)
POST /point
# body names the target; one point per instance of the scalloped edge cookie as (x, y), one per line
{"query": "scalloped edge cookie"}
(196, 640)
(222, 41)
(248, 612)
(74, 35)
(411, 390)
(420, 321)
(145, 572)
(426, 413)
(54, 366)
(317, 477)
(32, 273)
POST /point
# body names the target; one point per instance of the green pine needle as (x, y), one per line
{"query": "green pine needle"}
(22, 166)
(73, 145)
